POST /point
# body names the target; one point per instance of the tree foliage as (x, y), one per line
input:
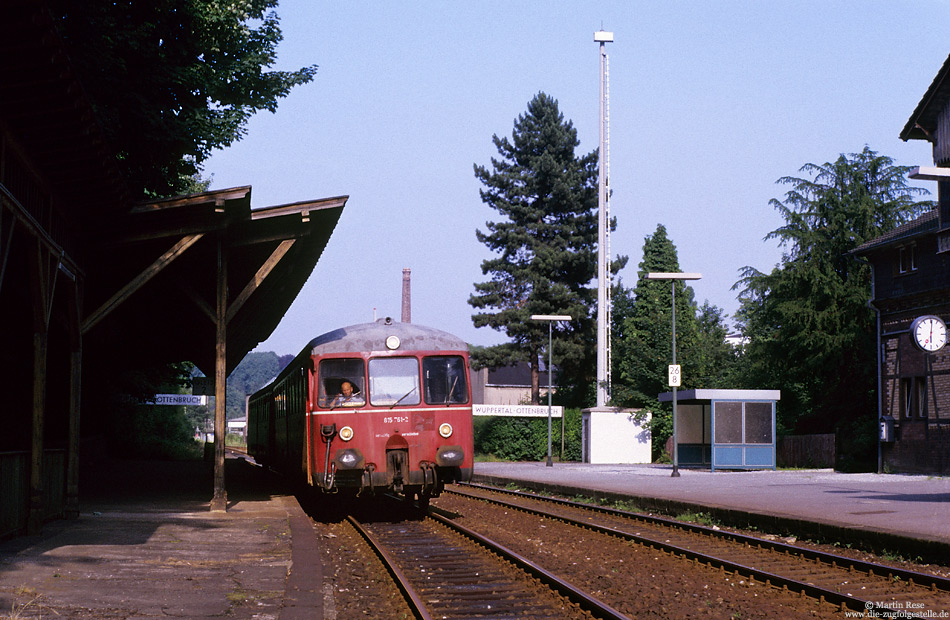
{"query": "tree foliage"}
(173, 80)
(546, 243)
(643, 337)
(526, 439)
(809, 329)
(255, 370)
(643, 331)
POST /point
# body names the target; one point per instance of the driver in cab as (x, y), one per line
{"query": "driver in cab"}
(348, 396)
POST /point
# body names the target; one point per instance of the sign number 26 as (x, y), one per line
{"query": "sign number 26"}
(674, 375)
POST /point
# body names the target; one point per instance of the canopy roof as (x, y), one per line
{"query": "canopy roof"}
(153, 277)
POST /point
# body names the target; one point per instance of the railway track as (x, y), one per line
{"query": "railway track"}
(871, 589)
(448, 571)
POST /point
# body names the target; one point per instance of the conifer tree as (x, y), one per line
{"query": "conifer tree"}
(810, 331)
(643, 349)
(643, 338)
(546, 244)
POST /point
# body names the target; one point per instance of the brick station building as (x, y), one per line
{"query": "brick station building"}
(911, 279)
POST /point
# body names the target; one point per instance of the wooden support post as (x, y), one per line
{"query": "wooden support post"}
(72, 454)
(42, 285)
(219, 502)
(74, 314)
(35, 520)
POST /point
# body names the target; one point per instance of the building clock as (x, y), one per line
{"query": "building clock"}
(929, 333)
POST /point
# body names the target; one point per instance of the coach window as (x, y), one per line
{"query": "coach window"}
(332, 374)
(444, 377)
(393, 381)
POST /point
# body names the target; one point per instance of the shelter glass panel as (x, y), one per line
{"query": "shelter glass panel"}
(728, 422)
(758, 422)
(690, 424)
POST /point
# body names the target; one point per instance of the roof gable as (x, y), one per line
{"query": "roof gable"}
(923, 122)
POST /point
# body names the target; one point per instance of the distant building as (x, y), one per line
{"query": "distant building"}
(911, 279)
(508, 385)
(237, 426)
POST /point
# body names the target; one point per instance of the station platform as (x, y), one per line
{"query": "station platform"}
(905, 514)
(146, 546)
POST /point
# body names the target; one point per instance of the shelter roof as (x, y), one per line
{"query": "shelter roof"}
(697, 396)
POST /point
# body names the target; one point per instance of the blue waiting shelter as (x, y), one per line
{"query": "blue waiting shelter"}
(725, 429)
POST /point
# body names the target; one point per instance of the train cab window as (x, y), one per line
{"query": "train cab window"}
(341, 383)
(394, 381)
(444, 379)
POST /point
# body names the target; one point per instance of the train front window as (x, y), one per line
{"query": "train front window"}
(341, 383)
(444, 379)
(393, 381)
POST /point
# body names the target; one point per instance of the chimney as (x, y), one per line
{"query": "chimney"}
(406, 296)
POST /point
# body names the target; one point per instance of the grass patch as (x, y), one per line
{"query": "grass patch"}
(701, 518)
(238, 597)
(26, 600)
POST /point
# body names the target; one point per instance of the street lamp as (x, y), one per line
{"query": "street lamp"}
(550, 318)
(673, 277)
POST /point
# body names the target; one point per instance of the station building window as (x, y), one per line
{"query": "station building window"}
(907, 258)
(914, 397)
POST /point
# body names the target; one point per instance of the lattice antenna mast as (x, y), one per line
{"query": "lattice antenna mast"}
(603, 241)
(609, 254)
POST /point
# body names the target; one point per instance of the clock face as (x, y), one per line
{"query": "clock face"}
(929, 333)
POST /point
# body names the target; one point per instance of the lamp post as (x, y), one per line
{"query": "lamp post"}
(550, 318)
(673, 277)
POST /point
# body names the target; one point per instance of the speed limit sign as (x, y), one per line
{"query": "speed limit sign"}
(674, 375)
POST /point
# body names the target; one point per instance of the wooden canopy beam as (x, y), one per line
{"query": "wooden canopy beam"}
(137, 282)
(259, 277)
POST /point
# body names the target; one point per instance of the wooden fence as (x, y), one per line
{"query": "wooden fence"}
(810, 451)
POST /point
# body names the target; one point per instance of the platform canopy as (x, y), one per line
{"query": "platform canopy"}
(153, 276)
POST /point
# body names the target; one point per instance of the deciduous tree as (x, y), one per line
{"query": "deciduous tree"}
(173, 80)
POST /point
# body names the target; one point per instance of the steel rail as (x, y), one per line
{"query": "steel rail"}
(917, 578)
(413, 599)
(771, 579)
(584, 600)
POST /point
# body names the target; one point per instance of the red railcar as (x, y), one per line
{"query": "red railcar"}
(374, 406)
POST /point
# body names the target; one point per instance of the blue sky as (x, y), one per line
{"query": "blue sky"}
(711, 103)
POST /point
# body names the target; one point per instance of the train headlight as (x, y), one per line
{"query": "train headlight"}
(346, 433)
(450, 456)
(348, 459)
(445, 430)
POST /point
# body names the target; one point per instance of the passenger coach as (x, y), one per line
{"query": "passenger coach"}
(375, 406)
